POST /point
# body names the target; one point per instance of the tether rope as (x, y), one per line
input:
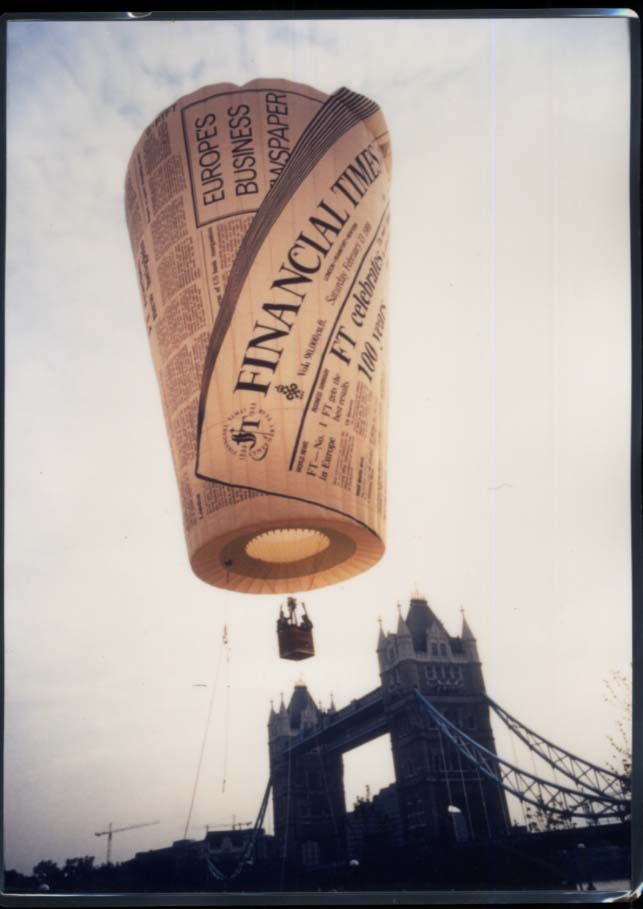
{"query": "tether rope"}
(205, 736)
(226, 721)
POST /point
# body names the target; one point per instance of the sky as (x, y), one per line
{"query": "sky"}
(508, 477)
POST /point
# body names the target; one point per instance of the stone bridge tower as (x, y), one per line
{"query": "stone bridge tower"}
(308, 786)
(440, 793)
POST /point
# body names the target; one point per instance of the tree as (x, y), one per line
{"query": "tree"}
(14, 881)
(619, 695)
(48, 872)
(539, 819)
(78, 871)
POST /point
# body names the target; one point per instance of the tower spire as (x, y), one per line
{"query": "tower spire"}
(402, 627)
(381, 638)
(467, 634)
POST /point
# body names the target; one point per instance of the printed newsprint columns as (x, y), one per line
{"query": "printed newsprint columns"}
(258, 217)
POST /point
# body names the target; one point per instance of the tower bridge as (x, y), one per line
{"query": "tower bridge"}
(450, 783)
(307, 745)
(444, 822)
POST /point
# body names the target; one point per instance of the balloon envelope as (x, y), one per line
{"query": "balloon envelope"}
(258, 217)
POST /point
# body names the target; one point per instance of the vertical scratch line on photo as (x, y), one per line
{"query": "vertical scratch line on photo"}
(492, 340)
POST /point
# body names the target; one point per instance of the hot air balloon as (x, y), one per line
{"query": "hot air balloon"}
(258, 219)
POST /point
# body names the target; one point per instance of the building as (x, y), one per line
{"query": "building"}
(197, 862)
(374, 826)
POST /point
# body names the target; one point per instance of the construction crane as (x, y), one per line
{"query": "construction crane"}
(223, 824)
(112, 830)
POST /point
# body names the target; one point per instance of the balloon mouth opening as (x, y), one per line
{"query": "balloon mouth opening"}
(287, 545)
(279, 553)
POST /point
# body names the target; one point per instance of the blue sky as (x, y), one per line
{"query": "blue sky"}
(509, 367)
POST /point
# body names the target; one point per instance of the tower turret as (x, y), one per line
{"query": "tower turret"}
(302, 712)
(381, 638)
(467, 635)
(278, 726)
(405, 649)
(470, 648)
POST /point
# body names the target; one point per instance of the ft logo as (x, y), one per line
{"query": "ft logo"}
(248, 433)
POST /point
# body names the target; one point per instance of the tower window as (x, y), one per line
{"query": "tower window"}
(434, 649)
(310, 853)
(314, 779)
(415, 813)
(443, 649)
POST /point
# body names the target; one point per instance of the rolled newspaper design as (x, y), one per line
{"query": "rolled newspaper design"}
(258, 217)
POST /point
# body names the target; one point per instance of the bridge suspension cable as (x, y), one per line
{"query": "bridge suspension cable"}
(247, 853)
(584, 774)
(528, 787)
(248, 850)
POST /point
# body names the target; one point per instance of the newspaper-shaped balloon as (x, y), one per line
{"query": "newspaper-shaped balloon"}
(259, 222)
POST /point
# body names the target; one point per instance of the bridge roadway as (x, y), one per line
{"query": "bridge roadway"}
(617, 834)
(359, 722)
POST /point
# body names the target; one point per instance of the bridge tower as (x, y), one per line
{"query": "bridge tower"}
(440, 794)
(308, 786)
